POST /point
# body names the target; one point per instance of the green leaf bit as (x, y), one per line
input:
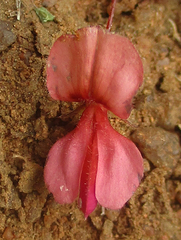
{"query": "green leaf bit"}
(44, 15)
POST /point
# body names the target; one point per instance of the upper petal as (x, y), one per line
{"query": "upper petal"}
(65, 160)
(120, 166)
(117, 73)
(70, 64)
(95, 65)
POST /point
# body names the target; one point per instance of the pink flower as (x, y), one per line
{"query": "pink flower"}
(94, 161)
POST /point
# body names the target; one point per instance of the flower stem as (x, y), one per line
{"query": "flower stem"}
(111, 15)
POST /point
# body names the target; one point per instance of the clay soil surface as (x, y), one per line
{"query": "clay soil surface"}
(30, 121)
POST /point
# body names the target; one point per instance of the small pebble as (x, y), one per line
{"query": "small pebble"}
(112, 215)
(149, 231)
(177, 171)
(163, 62)
(25, 57)
(97, 222)
(49, 3)
(7, 37)
(107, 230)
(8, 234)
(160, 147)
(178, 197)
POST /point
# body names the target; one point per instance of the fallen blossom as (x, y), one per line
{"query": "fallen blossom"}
(94, 162)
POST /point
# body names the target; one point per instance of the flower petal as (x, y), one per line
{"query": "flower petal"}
(65, 161)
(88, 177)
(120, 166)
(70, 65)
(95, 65)
(117, 75)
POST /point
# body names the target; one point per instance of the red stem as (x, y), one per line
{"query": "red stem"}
(111, 15)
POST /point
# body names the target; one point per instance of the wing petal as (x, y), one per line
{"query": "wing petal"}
(120, 166)
(65, 161)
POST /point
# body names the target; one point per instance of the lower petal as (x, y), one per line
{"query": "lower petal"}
(120, 166)
(65, 161)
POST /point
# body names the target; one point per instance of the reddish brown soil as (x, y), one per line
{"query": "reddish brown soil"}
(30, 123)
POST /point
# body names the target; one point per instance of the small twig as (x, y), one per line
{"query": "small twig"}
(18, 6)
(103, 211)
(176, 35)
(179, 126)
